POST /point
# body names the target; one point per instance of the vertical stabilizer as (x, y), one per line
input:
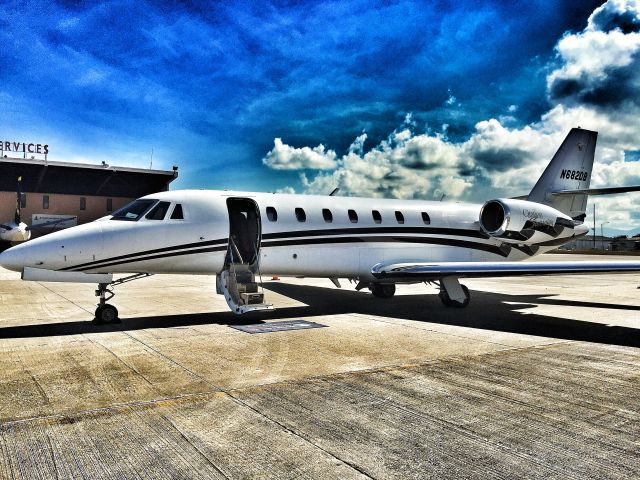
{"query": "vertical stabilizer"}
(569, 169)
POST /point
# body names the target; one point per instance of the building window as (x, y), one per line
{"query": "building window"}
(377, 218)
(327, 215)
(425, 218)
(83, 203)
(272, 214)
(177, 213)
(109, 204)
(353, 216)
(399, 216)
(300, 215)
(45, 202)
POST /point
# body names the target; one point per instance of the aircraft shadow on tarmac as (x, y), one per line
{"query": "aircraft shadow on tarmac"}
(488, 311)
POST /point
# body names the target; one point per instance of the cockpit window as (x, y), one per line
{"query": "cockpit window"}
(177, 213)
(158, 212)
(133, 211)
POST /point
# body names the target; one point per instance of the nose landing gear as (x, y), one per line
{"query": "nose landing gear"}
(106, 313)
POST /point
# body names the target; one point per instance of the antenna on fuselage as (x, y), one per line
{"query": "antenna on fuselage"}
(334, 191)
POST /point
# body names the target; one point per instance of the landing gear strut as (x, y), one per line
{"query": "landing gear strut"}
(452, 294)
(106, 313)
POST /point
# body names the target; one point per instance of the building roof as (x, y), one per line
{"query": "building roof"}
(82, 178)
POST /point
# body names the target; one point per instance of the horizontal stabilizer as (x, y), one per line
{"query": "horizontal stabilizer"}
(44, 275)
(600, 191)
(428, 271)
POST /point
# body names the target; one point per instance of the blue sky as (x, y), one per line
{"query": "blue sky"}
(210, 86)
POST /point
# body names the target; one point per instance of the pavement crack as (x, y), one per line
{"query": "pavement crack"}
(41, 390)
(194, 446)
(130, 367)
(300, 436)
(174, 362)
(53, 455)
(65, 298)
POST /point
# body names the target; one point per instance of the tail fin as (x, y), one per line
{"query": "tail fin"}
(569, 169)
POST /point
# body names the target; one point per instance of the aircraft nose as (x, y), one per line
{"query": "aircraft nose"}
(12, 259)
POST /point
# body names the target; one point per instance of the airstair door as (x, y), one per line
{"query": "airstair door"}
(238, 282)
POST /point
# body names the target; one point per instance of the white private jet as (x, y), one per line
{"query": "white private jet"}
(239, 236)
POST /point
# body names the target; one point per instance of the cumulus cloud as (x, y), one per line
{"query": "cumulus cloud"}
(595, 84)
(286, 157)
(600, 65)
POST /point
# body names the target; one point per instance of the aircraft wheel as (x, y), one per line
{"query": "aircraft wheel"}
(383, 290)
(448, 302)
(106, 314)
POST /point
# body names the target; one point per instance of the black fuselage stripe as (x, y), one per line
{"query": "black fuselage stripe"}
(386, 239)
(312, 241)
(375, 230)
(153, 257)
(280, 235)
(149, 252)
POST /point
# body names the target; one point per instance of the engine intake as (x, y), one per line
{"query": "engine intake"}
(521, 221)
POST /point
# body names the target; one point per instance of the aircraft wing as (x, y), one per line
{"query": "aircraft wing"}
(430, 271)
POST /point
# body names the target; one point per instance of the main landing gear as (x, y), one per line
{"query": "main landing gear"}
(452, 294)
(383, 290)
(106, 313)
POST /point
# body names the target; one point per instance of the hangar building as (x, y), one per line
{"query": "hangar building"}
(62, 190)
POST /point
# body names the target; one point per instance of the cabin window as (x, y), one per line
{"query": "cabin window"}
(425, 218)
(45, 202)
(272, 214)
(83, 203)
(353, 216)
(133, 211)
(109, 204)
(158, 212)
(327, 215)
(300, 215)
(399, 216)
(377, 218)
(177, 212)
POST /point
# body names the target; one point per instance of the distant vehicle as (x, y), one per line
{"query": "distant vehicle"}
(379, 243)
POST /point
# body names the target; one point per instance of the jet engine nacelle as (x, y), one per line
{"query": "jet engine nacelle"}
(524, 222)
(12, 232)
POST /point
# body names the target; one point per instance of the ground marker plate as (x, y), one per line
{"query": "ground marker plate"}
(270, 327)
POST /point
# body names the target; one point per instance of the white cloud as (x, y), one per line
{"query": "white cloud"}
(497, 160)
(285, 157)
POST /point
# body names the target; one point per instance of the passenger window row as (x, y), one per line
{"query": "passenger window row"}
(301, 216)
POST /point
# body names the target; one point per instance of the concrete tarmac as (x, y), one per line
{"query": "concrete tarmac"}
(538, 378)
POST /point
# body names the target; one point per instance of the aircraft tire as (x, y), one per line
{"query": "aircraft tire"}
(444, 298)
(383, 290)
(106, 314)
